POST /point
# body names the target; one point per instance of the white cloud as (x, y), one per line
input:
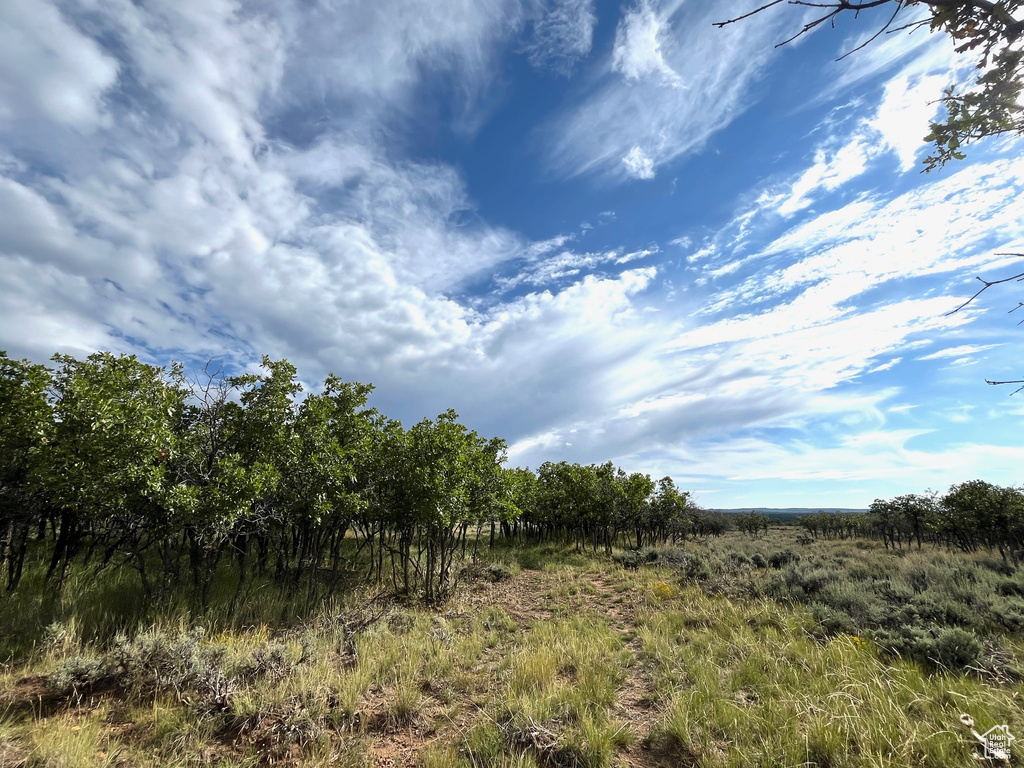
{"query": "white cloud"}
(50, 70)
(931, 229)
(637, 104)
(914, 54)
(639, 40)
(961, 351)
(204, 235)
(827, 173)
(643, 253)
(373, 51)
(887, 366)
(887, 465)
(188, 207)
(562, 36)
(638, 164)
(903, 116)
(770, 370)
(568, 264)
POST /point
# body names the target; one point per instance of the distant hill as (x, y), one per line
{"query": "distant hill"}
(778, 511)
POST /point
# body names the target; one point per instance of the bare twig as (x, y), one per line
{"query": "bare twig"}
(911, 25)
(756, 11)
(986, 284)
(1009, 28)
(1011, 381)
(875, 36)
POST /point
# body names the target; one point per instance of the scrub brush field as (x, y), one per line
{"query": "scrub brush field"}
(734, 651)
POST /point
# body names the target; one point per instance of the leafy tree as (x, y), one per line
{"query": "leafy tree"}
(707, 523)
(669, 512)
(884, 519)
(380, 522)
(268, 447)
(320, 483)
(566, 498)
(106, 468)
(520, 487)
(120, 459)
(444, 463)
(490, 491)
(918, 514)
(26, 427)
(977, 513)
(634, 504)
(992, 30)
(752, 523)
(218, 479)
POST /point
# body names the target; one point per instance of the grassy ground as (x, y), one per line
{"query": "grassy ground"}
(700, 658)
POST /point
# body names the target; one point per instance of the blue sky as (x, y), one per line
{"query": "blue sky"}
(602, 231)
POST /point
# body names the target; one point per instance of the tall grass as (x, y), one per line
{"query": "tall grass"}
(740, 688)
(702, 656)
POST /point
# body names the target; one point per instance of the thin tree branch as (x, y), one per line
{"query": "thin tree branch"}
(911, 25)
(875, 36)
(1013, 381)
(721, 24)
(986, 284)
(1009, 28)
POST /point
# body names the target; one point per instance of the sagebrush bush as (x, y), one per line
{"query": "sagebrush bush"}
(779, 559)
(80, 674)
(905, 597)
(832, 621)
(956, 648)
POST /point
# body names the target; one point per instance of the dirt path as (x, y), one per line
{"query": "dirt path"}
(525, 600)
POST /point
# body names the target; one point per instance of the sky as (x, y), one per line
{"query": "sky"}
(603, 231)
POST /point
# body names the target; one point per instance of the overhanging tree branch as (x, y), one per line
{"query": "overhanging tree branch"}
(992, 31)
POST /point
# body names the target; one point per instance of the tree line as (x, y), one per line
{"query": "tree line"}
(972, 515)
(109, 460)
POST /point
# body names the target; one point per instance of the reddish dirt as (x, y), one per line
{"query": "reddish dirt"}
(522, 597)
(12, 756)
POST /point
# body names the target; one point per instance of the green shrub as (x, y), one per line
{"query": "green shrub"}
(892, 591)
(779, 559)
(809, 580)
(499, 572)
(854, 601)
(917, 578)
(956, 648)
(667, 555)
(832, 621)
(1010, 587)
(1002, 567)
(80, 674)
(630, 559)
(738, 559)
(152, 662)
(696, 568)
(942, 610)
